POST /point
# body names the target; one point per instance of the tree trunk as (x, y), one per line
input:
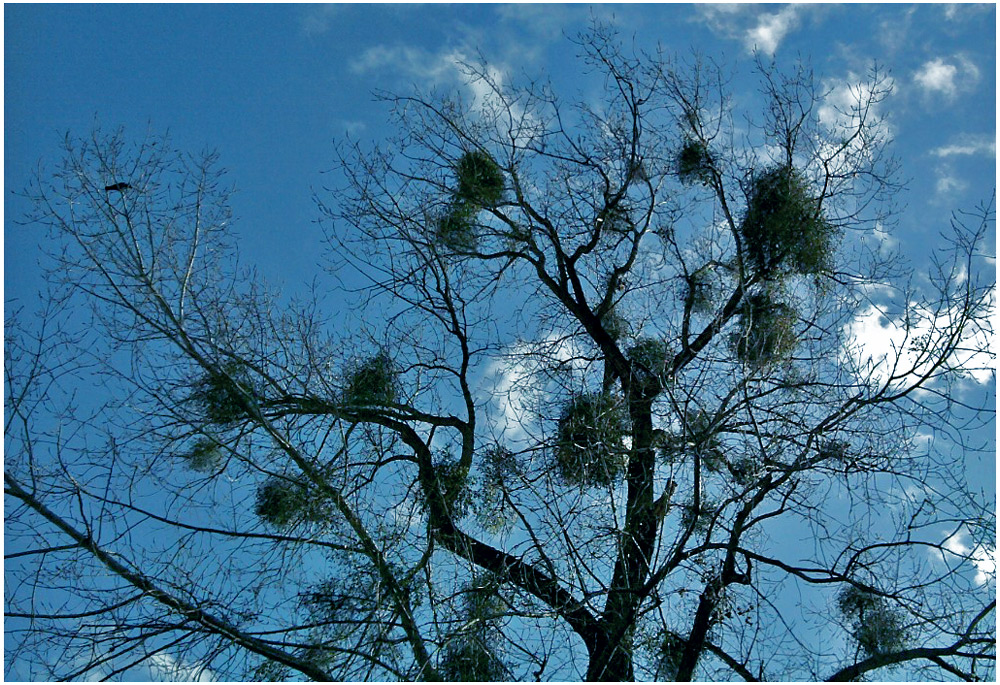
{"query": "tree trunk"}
(699, 630)
(616, 667)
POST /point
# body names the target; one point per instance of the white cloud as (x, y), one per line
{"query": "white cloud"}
(948, 184)
(885, 348)
(433, 69)
(716, 10)
(894, 32)
(771, 29)
(886, 243)
(164, 667)
(757, 30)
(967, 11)
(444, 69)
(517, 386)
(968, 145)
(984, 558)
(161, 667)
(511, 395)
(543, 20)
(937, 75)
(848, 102)
(842, 102)
(351, 127)
(947, 77)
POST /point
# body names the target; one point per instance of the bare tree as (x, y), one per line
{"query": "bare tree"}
(602, 412)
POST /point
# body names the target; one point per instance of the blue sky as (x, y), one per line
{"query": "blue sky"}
(272, 87)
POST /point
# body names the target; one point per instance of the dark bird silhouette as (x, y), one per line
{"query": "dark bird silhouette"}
(120, 187)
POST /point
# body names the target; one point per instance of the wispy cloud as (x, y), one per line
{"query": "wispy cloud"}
(844, 101)
(948, 184)
(161, 667)
(318, 19)
(894, 32)
(966, 11)
(966, 145)
(351, 126)
(544, 21)
(429, 69)
(886, 242)
(947, 76)
(485, 84)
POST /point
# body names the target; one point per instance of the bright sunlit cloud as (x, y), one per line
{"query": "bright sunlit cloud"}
(161, 667)
(771, 29)
(516, 385)
(885, 348)
(984, 558)
(757, 29)
(167, 668)
(843, 100)
(887, 243)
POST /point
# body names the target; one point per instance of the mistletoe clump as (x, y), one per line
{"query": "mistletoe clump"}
(499, 469)
(699, 518)
(697, 436)
(467, 660)
(589, 448)
(651, 359)
(453, 478)
(456, 229)
(373, 381)
(480, 184)
(284, 503)
(616, 325)
(499, 466)
(834, 450)
(221, 396)
(784, 230)
(204, 455)
(877, 627)
(767, 331)
(694, 163)
(616, 217)
(668, 657)
(354, 590)
(471, 654)
(480, 180)
(701, 290)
